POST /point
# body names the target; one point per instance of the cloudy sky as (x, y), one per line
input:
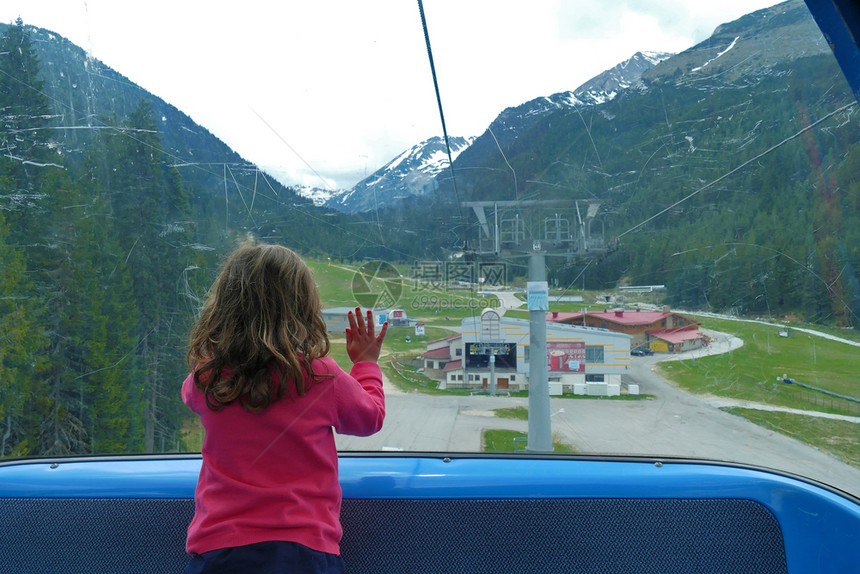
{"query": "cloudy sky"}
(323, 92)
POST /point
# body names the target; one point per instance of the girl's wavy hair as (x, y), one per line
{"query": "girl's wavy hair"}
(262, 317)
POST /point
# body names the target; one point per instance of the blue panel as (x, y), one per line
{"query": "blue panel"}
(104, 478)
(820, 526)
(839, 21)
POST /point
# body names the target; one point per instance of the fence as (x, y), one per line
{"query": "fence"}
(836, 404)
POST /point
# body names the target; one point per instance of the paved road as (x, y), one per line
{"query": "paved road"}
(507, 300)
(675, 423)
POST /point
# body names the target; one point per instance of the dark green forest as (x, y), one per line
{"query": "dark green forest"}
(96, 278)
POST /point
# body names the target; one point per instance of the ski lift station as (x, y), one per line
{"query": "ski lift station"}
(493, 352)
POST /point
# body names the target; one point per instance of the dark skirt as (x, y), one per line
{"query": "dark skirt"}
(273, 557)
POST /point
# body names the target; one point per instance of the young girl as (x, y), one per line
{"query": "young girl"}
(268, 497)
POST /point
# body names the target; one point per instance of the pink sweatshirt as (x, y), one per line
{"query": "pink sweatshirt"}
(273, 475)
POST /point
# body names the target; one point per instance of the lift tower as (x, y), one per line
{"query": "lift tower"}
(538, 229)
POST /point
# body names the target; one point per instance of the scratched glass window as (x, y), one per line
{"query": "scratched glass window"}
(428, 275)
(687, 191)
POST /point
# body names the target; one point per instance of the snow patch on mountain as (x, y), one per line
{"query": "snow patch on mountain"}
(732, 45)
(609, 84)
(319, 196)
(600, 89)
(410, 173)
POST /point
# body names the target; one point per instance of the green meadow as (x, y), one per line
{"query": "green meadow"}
(502, 441)
(750, 372)
(841, 439)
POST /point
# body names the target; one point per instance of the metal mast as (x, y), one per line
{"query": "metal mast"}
(563, 234)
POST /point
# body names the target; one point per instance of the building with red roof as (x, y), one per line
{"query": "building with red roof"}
(440, 353)
(675, 340)
(664, 330)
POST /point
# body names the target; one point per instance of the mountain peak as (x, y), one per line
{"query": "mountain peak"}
(606, 85)
(410, 173)
(413, 171)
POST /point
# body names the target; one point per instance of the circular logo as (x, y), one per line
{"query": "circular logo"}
(377, 285)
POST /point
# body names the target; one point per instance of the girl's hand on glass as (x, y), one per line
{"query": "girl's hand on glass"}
(362, 342)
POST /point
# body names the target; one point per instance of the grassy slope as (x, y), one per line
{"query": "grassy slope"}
(750, 373)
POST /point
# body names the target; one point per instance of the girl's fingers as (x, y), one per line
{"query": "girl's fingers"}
(359, 326)
(382, 332)
(359, 318)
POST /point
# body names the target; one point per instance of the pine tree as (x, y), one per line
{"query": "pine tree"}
(149, 203)
(24, 111)
(22, 343)
(105, 321)
(25, 173)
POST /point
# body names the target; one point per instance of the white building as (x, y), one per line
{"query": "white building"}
(580, 360)
(337, 320)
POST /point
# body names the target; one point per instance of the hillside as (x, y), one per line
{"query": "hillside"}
(88, 99)
(707, 185)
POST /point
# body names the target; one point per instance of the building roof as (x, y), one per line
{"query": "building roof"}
(676, 335)
(620, 316)
(443, 353)
(453, 366)
(563, 316)
(448, 338)
(518, 329)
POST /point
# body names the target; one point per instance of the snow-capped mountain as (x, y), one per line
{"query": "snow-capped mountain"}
(410, 173)
(599, 89)
(413, 171)
(610, 83)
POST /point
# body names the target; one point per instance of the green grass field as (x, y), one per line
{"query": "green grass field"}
(521, 413)
(440, 306)
(750, 373)
(496, 440)
(408, 380)
(395, 342)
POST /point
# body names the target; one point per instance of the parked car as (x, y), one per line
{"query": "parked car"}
(641, 351)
